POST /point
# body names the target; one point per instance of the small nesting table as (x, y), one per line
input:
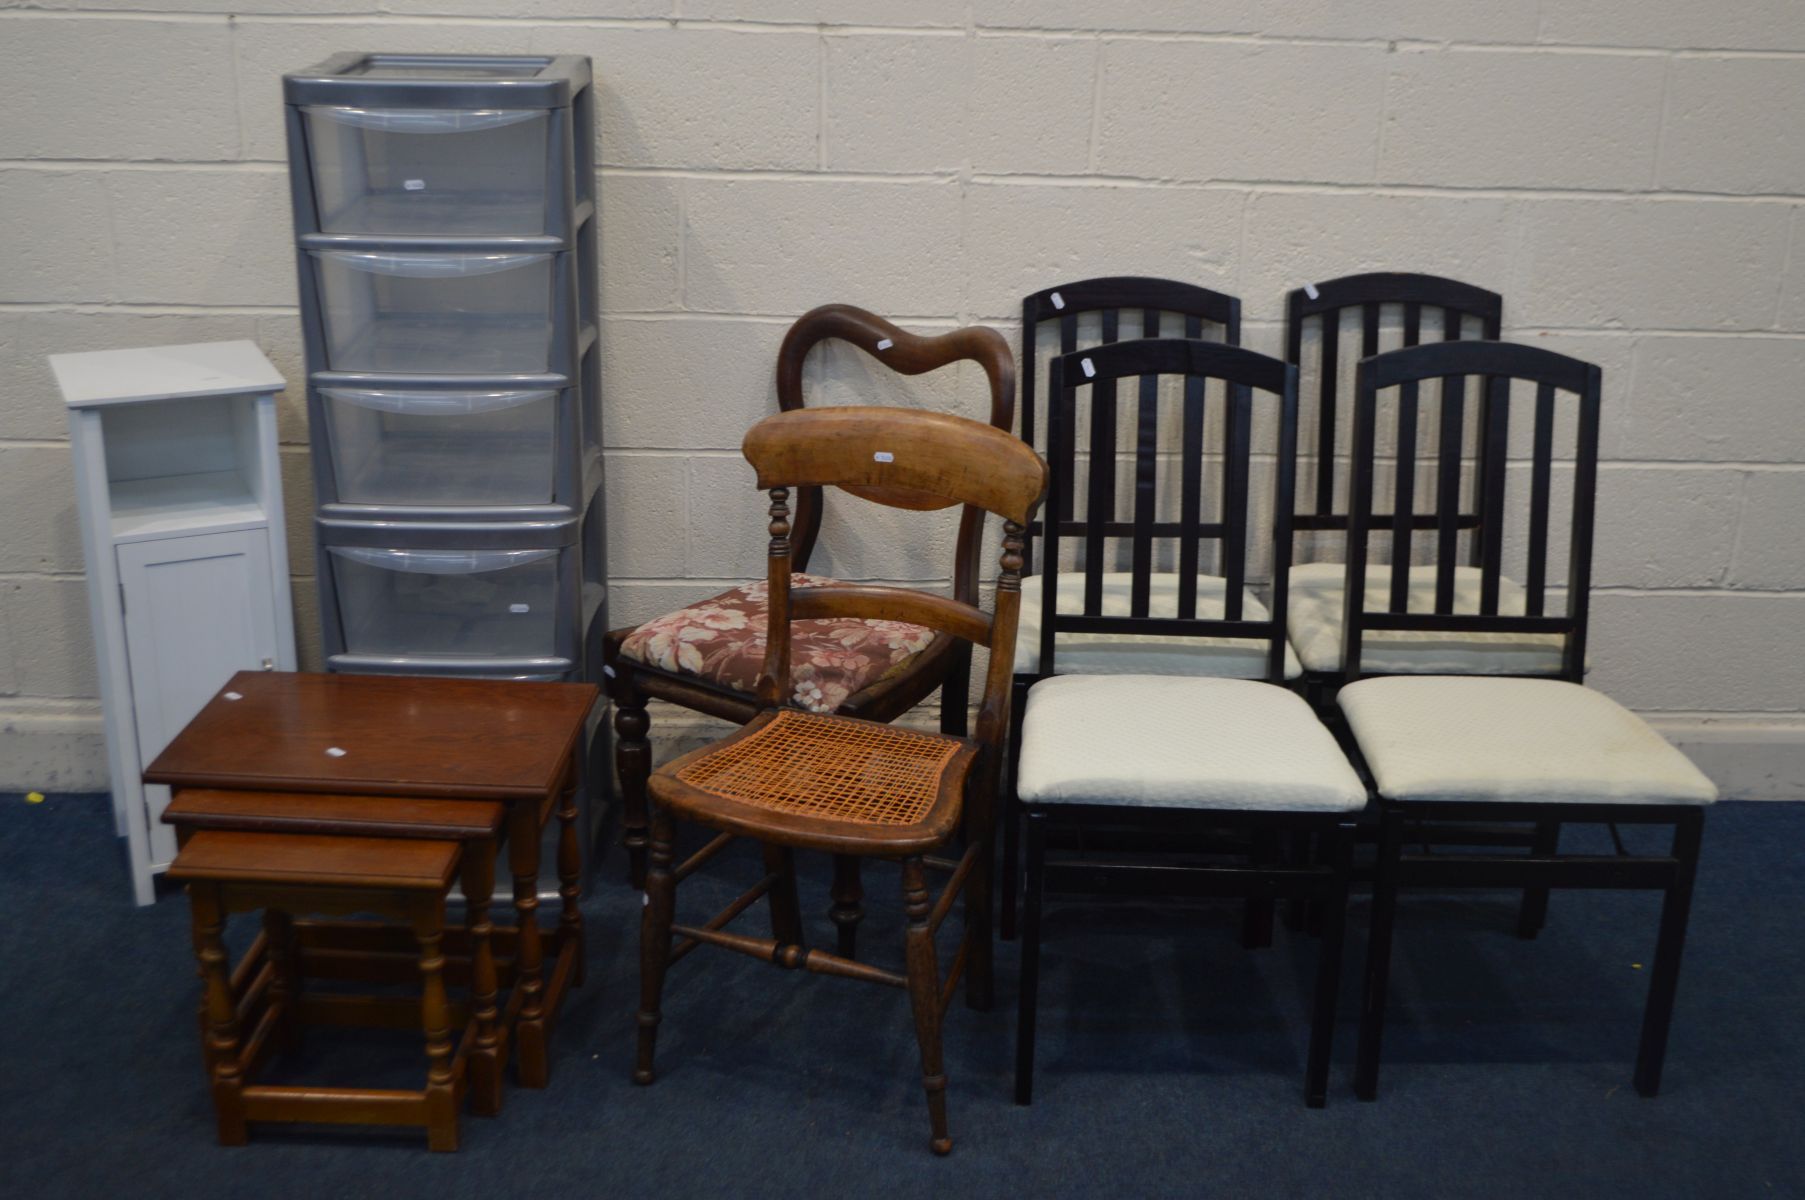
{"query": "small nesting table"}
(513, 743)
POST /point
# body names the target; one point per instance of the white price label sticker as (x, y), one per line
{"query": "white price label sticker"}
(234, 695)
(1058, 301)
(520, 608)
(414, 185)
(883, 456)
(885, 344)
(1090, 371)
(1310, 291)
(334, 752)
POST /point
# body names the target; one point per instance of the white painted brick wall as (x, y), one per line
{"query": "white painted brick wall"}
(1628, 172)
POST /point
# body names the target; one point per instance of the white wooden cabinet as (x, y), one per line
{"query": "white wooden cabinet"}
(181, 514)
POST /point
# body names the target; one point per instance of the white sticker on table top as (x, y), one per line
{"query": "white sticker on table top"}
(335, 752)
(1058, 301)
(885, 344)
(883, 456)
(1090, 370)
(1310, 291)
(233, 695)
(413, 185)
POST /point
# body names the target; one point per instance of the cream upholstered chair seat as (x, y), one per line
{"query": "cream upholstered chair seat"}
(1142, 653)
(1429, 738)
(1319, 590)
(1154, 741)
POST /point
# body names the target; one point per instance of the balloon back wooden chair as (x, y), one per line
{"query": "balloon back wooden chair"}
(706, 657)
(1058, 321)
(1465, 750)
(794, 779)
(1129, 768)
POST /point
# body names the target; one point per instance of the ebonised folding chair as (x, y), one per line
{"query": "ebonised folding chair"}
(1462, 751)
(1383, 307)
(1133, 768)
(1455, 310)
(703, 657)
(1091, 312)
(793, 779)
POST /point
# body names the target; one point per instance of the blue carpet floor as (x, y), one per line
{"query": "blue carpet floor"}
(1170, 1060)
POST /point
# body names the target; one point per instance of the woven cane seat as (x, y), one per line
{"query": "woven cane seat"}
(843, 779)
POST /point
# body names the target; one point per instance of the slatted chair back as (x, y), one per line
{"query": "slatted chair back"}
(1196, 312)
(1465, 311)
(906, 459)
(907, 354)
(1557, 380)
(1091, 520)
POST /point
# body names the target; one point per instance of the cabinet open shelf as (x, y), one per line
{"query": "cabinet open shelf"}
(201, 502)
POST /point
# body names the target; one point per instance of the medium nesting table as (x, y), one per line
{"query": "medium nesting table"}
(513, 743)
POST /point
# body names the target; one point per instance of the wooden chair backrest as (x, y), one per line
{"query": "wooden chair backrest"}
(1091, 517)
(907, 354)
(1465, 311)
(908, 459)
(1201, 313)
(1496, 364)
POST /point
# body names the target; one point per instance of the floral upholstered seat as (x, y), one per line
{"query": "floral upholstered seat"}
(721, 641)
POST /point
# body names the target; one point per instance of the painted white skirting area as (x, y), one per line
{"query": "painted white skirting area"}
(57, 745)
(52, 745)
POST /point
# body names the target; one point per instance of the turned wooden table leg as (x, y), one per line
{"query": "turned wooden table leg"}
(285, 977)
(207, 904)
(435, 1023)
(570, 878)
(529, 953)
(490, 1050)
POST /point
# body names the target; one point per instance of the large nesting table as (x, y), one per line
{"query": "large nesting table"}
(515, 743)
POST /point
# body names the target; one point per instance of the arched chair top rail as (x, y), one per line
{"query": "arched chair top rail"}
(1439, 360)
(1132, 292)
(898, 349)
(1396, 287)
(916, 459)
(1173, 356)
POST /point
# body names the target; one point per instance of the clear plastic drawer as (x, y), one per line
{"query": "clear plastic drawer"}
(464, 604)
(423, 447)
(457, 314)
(462, 173)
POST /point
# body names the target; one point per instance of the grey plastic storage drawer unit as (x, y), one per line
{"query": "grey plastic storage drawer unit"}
(478, 598)
(441, 449)
(451, 146)
(441, 313)
(403, 447)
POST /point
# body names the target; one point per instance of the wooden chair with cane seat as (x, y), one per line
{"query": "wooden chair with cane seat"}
(1460, 751)
(815, 781)
(705, 657)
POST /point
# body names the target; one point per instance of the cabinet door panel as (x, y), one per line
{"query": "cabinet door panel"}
(197, 609)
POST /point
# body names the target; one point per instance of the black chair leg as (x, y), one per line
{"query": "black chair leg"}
(1257, 911)
(1012, 813)
(1664, 980)
(1378, 954)
(1328, 967)
(1534, 913)
(1028, 988)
